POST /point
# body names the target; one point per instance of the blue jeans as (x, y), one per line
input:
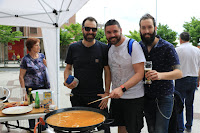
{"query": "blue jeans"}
(157, 113)
(186, 87)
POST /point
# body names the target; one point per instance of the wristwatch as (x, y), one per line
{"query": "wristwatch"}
(123, 88)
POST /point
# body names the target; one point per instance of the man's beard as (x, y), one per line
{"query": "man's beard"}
(148, 41)
(115, 42)
(89, 39)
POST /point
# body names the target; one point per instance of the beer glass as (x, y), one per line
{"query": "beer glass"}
(23, 94)
(147, 67)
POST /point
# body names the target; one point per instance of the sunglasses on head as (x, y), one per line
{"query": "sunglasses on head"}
(89, 28)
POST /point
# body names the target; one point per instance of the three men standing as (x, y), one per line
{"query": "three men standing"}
(127, 72)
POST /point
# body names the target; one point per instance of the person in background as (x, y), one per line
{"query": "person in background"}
(33, 71)
(14, 57)
(159, 101)
(127, 72)
(89, 58)
(189, 56)
(18, 58)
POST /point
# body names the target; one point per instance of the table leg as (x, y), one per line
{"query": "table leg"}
(7, 124)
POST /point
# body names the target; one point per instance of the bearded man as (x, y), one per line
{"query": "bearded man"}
(89, 58)
(127, 72)
(159, 100)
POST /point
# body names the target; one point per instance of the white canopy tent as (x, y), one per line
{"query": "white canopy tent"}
(49, 15)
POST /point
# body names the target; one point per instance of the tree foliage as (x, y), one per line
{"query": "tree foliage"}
(74, 33)
(193, 27)
(162, 30)
(65, 38)
(135, 35)
(167, 34)
(101, 36)
(70, 33)
(6, 34)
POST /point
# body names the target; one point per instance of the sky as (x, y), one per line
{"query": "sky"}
(174, 13)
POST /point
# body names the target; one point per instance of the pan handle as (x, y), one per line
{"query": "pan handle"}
(108, 121)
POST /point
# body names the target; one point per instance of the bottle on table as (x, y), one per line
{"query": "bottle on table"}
(37, 100)
(30, 96)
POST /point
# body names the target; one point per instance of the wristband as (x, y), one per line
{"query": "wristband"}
(123, 88)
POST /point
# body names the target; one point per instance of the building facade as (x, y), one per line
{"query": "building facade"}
(19, 47)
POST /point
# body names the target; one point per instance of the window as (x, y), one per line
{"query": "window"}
(33, 30)
(18, 29)
(21, 29)
(14, 29)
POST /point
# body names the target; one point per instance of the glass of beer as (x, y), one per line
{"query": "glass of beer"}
(23, 94)
(147, 67)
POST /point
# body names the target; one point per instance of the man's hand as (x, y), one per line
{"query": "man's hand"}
(116, 93)
(72, 85)
(153, 75)
(104, 102)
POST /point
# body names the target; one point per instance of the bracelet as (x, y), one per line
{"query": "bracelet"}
(122, 86)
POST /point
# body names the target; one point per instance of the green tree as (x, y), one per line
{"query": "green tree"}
(101, 36)
(193, 27)
(65, 37)
(68, 35)
(6, 35)
(74, 33)
(75, 30)
(135, 35)
(167, 34)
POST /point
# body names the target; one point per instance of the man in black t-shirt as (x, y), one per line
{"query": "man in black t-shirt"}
(89, 58)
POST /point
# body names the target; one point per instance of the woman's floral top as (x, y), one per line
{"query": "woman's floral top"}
(36, 76)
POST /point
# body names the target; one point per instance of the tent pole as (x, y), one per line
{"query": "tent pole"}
(58, 64)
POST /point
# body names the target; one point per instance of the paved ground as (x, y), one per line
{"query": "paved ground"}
(9, 78)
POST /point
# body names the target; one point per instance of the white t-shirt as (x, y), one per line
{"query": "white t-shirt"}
(189, 57)
(121, 65)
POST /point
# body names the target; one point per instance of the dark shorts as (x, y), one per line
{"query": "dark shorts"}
(129, 113)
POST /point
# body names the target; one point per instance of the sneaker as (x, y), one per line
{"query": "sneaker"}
(189, 130)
